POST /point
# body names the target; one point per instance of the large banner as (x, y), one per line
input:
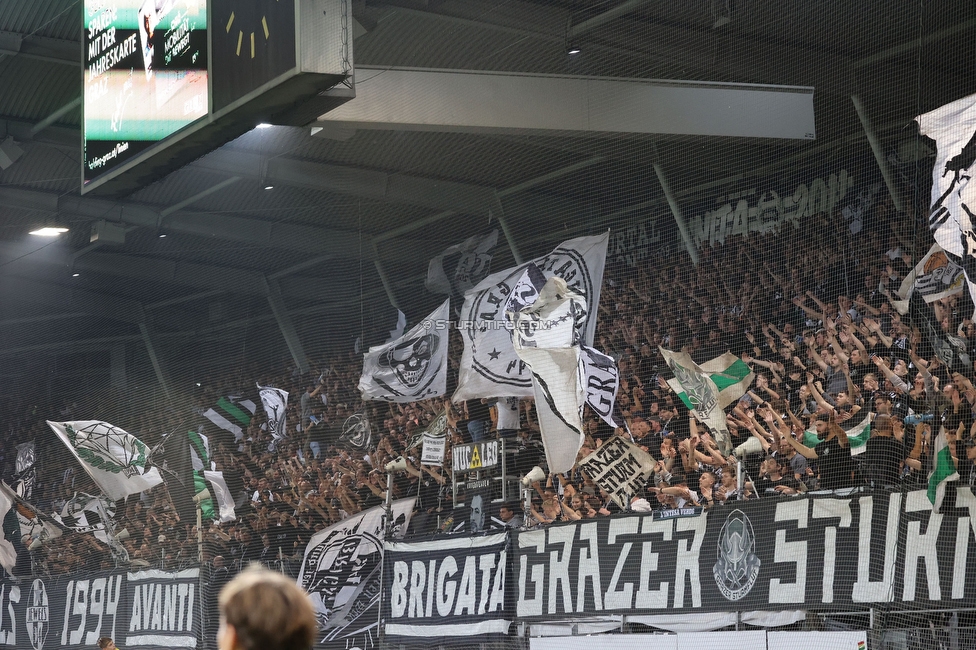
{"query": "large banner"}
(341, 573)
(147, 609)
(819, 552)
(453, 587)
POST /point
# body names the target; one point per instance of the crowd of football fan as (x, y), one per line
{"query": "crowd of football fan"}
(807, 308)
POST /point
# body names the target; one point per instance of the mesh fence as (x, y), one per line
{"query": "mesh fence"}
(747, 412)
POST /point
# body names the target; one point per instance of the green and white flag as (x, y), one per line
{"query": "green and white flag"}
(707, 389)
(943, 469)
(232, 414)
(857, 435)
(204, 472)
(115, 459)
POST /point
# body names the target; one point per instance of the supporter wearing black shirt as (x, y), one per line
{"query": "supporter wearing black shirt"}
(833, 455)
(884, 453)
(773, 482)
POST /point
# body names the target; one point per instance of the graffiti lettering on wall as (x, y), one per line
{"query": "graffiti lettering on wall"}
(751, 212)
(636, 243)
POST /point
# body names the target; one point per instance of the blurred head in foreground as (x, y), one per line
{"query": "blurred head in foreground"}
(264, 610)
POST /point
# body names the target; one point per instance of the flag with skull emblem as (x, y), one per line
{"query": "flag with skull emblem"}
(412, 367)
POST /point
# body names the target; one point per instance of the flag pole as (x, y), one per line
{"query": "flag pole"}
(198, 500)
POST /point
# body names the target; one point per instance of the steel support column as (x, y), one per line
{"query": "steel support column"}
(878, 153)
(385, 279)
(285, 324)
(675, 210)
(147, 339)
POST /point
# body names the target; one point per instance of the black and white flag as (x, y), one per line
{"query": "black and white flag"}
(620, 468)
(356, 433)
(460, 267)
(275, 401)
(341, 574)
(601, 381)
(25, 473)
(489, 365)
(546, 338)
(414, 366)
(953, 127)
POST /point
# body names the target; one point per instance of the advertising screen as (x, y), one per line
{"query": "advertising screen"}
(145, 76)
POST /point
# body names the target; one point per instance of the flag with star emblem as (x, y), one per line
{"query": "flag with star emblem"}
(489, 365)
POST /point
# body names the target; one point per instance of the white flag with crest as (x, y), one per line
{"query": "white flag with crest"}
(115, 459)
(489, 365)
(275, 401)
(414, 366)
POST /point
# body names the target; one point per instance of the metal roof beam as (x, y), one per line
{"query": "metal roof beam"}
(341, 244)
(168, 271)
(61, 297)
(498, 102)
(338, 179)
(42, 48)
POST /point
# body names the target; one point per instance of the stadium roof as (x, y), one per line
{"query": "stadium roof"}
(237, 255)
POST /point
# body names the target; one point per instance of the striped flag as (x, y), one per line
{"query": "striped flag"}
(707, 389)
(232, 414)
(943, 469)
(204, 472)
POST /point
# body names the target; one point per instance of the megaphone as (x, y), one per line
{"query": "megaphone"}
(201, 496)
(34, 545)
(122, 535)
(535, 474)
(398, 465)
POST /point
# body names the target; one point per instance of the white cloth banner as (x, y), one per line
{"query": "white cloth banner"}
(620, 467)
(489, 365)
(413, 367)
(225, 500)
(953, 127)
(115, 460)
(545, 339)
(460, 267)
(275, 401)
(433, 450)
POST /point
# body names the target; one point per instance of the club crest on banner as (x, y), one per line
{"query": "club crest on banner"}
(95, 448)
(737, 567)
(356, 431)
(38, 615)
(697, 389)
(490, 366)
(410, 360)
(341, 574)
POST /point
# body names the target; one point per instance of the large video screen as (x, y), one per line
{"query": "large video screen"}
(145, 76)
